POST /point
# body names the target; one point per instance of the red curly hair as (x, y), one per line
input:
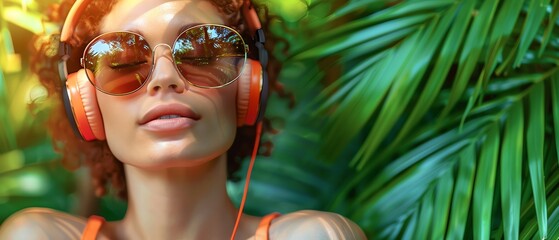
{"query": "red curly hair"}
(104, 167)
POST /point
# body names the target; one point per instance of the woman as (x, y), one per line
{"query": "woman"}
(167, 76)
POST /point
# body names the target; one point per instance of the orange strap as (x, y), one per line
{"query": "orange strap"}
(94, 224)
(92, 227)
(263, 231)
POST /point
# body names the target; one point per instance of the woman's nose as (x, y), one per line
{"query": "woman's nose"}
(165, 76)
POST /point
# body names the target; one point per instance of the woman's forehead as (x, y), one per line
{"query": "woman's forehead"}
(154, 15)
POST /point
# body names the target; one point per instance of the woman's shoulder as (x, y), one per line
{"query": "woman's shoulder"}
(41, 223)
(309, 224)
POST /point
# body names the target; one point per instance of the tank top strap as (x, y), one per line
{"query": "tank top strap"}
(263, 231)
(92, 227)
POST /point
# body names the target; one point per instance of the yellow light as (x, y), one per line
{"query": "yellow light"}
(292, 10)
(25, 3)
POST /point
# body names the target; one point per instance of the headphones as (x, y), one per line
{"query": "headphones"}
(79, 95)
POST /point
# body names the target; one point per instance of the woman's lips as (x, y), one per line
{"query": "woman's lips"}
(168, 117)
(167, 125)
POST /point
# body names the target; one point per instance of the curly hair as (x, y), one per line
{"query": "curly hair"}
(103, 165)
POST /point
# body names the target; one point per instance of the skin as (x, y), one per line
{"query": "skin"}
(176, 179)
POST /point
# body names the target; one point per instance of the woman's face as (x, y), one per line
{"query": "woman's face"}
(136, 127)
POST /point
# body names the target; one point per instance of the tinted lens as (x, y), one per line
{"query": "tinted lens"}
(120, 62)
(210, 55)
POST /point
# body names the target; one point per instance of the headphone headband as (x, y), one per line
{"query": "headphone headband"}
(72, 19)
(251, 17)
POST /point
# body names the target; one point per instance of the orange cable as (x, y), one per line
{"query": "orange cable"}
(249, 171)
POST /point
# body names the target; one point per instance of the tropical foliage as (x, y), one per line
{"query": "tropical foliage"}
(447, 112)
(417, 119)
(29, 172)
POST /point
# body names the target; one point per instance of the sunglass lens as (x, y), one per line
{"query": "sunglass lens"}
(209, 55)
(120, 62)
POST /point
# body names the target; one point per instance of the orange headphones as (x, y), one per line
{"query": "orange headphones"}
(79, 95)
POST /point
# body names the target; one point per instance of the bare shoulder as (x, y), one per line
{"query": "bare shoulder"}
(41, 223)
(308, 224)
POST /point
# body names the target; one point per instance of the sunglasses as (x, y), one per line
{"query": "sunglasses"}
(206, 56)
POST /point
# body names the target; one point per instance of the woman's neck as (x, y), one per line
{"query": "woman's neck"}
(178, 203)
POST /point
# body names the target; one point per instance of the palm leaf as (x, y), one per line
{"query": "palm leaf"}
(555, 107)
(511, 172)
(535, 133)
(455, 103)
(441, 205)
(463, 193)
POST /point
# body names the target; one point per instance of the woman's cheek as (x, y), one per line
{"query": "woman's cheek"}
(119, 120)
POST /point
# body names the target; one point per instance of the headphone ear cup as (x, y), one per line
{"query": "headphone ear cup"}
(248, 93)
(83, 105)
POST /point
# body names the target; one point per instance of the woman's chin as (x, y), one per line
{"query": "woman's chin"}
(147, 152)
(167, 158)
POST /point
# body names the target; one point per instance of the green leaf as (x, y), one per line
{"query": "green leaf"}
(7, 136)
(549, 29)
(399, 196)
(365, 98)
(441, 208)
(426, 149)
(504, 25)
(470, 55)
(442, 65)
(554, 220)
(484, 187)
(462, 194)
(368, 49)
(339, 90)
(553, 198)
(352, 7)
(535, 144)
(555, 106)
(535, 15)
(405, 82)
(507, 14)
(329, 46)
(399, 10)
(411, 227)
(425, 215)
(511, 171)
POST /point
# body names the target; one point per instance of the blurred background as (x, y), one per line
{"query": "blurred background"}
(417, 119)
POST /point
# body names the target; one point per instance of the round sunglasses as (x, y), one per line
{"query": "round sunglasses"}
(206, 56)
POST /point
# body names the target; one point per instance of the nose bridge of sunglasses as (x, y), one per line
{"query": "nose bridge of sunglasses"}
(163, 66)
(167, 52)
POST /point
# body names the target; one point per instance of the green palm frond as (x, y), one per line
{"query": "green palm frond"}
(452, 106)
(292, 178)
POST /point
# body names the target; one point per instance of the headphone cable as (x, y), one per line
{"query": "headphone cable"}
(247, 181)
